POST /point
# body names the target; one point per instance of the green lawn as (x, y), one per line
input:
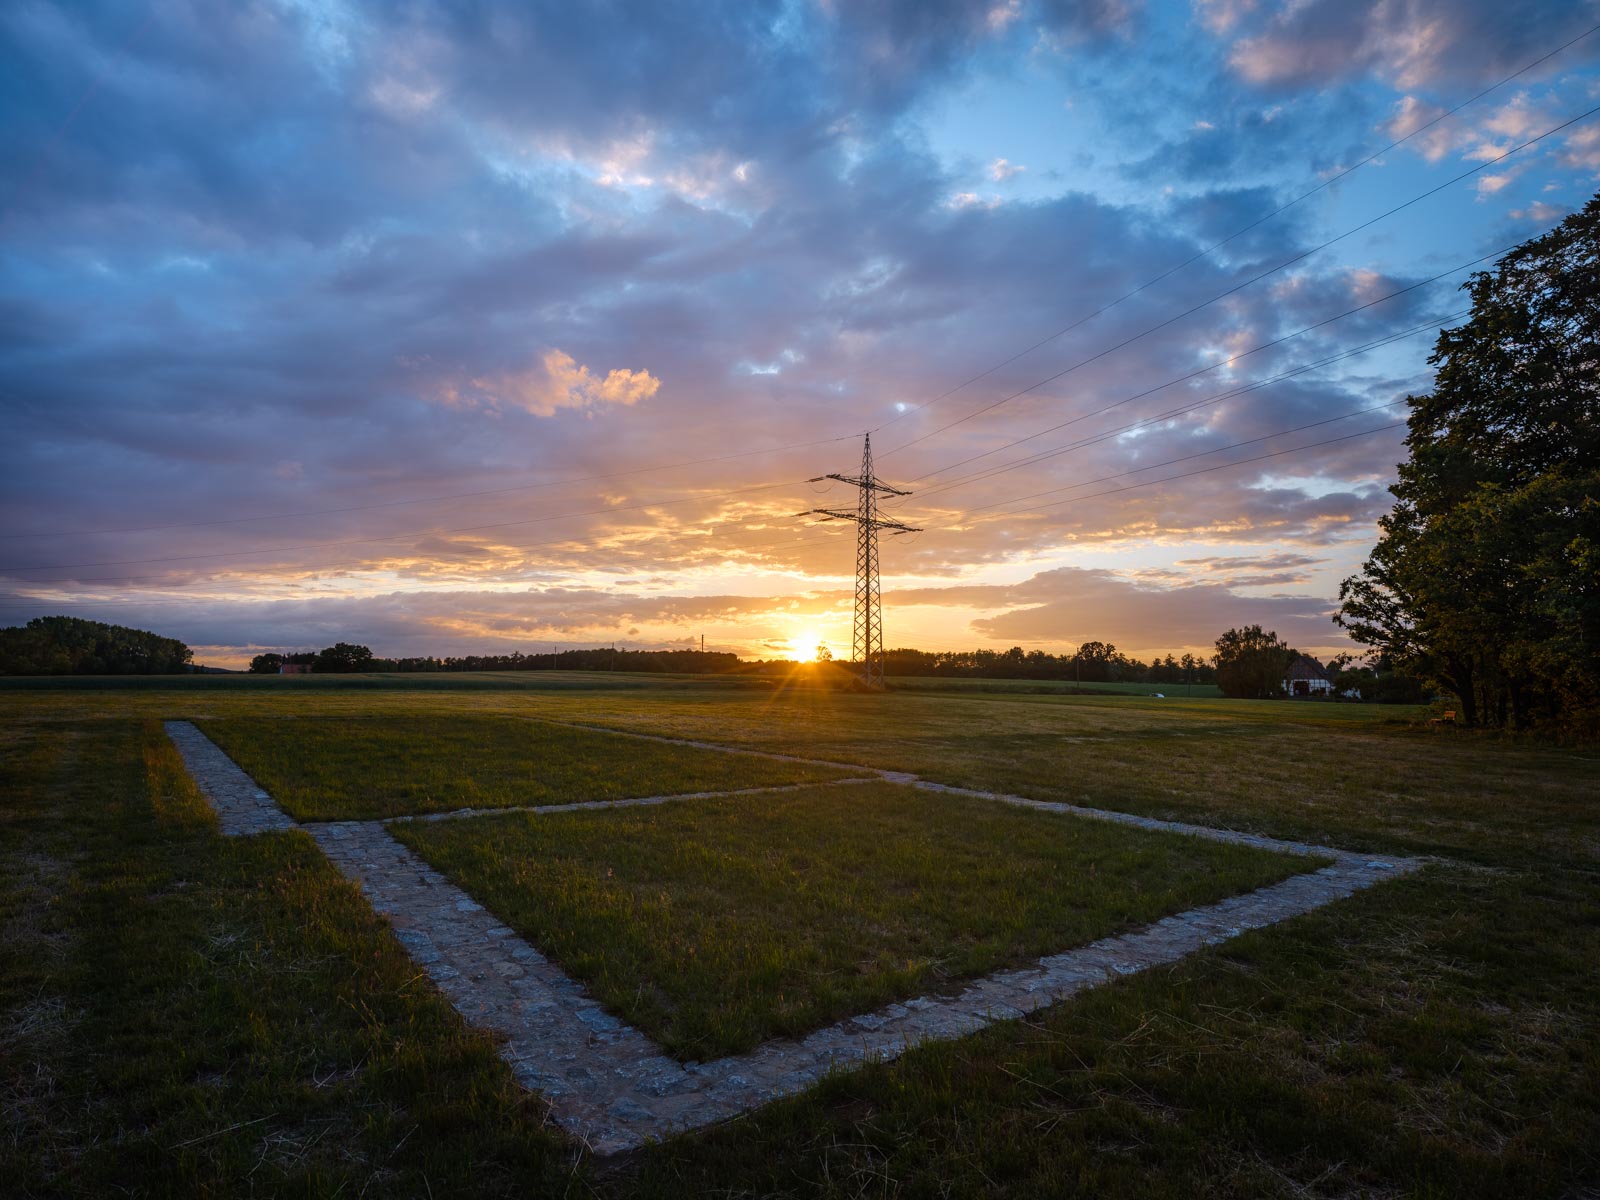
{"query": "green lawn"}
(933, 683)
(716, 925)
(185, 1015)
(342, 768)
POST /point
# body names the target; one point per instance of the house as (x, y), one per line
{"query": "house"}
(1307, 678)
(294, 668)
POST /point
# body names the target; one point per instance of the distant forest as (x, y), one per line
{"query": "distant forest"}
(1248, 663)
(1094, 662)
(70, 646)
(343, 658)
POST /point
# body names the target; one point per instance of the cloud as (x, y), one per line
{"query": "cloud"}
(1582, 149)
(1001, 170)
(345, 281)
(1411, 45)
(557, 382)
(1074, 22)
(1220, 16)
(1071, 605)
(1411, 114)
(1488, 185)
(1540, 213)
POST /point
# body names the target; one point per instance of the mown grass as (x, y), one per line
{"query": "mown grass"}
(342, 768)
(1432, 1037)
(1429, 1038)
(716, 925)
(182, 1015)
(1048, 687)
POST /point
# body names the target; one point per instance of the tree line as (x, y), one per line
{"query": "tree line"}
(344, 658)
(1248, 662)
(1092, 662)
(72, 646)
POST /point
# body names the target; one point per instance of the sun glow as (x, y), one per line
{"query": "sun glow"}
(806, 645)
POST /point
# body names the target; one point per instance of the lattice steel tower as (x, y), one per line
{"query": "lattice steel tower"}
(867, 642)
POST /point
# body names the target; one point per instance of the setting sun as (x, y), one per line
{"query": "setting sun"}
(806, 646)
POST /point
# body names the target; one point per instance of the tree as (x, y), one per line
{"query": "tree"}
(1252, 664)
(1485, 578)
(824, 655)
(72, 646)
(343, 658)
(1095, 660)
(266, 664)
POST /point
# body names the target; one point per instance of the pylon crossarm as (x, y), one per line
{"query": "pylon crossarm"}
(858, 482)
(829, 514)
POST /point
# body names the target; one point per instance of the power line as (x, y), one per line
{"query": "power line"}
(987, 408)
(592, 512)
(391, 537)
(1185, 474)
(573, 542)
(1182, 410)
(323, 512)
(568, 541)
(1190, 457)
(1206, 470)
(31, 601)
(825, 441)
(1328, 182)
(1248, 282)
(1278, 341)
(34, 602)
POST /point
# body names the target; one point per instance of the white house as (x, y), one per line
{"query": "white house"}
(1306, 678)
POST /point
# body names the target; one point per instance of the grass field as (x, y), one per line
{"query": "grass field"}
(343, 768)
(186, 1015)
(716, 926)
(1056, 687)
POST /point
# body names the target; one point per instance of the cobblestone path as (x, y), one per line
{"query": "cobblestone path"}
(609, 1084)
(242, 807)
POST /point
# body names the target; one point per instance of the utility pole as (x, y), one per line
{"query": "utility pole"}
(867, 641)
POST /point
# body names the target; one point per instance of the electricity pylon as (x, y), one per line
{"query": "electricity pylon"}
(867, 642)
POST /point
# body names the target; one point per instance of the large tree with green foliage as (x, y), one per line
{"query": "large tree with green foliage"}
(342, 658)
(1486, 575)
(1251, 663)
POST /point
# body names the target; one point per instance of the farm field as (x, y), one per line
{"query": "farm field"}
(226, 1015)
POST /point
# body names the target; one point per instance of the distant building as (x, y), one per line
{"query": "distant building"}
(294, 669)
(1306, 678)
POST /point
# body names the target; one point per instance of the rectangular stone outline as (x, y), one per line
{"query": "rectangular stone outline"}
(610, 1085)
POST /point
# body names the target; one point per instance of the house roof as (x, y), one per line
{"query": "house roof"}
(1306, 668)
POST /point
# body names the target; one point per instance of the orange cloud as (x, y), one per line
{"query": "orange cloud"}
(557, 381)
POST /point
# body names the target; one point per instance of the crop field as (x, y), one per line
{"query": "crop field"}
(187, 1013)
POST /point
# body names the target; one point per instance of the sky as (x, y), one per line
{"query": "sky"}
(480, 327)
